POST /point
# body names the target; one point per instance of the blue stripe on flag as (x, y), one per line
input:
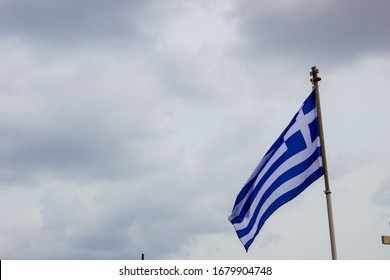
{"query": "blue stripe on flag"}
(292, 163)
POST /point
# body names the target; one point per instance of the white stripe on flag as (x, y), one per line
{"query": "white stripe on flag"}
(289, 185)
(287, 165)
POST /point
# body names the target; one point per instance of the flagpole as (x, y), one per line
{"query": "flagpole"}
(315, 80)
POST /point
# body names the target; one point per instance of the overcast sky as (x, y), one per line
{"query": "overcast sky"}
(129, 127)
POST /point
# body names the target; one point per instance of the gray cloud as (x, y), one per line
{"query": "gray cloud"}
(382, 195)
(70, 137)
(322, 32)
(71, 22)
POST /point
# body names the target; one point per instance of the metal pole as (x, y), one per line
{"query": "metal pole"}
(315, 80)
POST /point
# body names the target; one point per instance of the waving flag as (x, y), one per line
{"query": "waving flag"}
(292, 163)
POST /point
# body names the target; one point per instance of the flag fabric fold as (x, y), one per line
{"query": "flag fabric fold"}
(292, 163)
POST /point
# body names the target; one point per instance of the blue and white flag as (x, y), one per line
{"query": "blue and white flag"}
(292, 163)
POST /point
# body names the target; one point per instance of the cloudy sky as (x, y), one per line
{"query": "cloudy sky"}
(129, 127)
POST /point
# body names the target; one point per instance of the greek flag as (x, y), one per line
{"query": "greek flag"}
(292, 163)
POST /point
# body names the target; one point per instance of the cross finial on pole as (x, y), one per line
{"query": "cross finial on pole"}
(315, 79)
